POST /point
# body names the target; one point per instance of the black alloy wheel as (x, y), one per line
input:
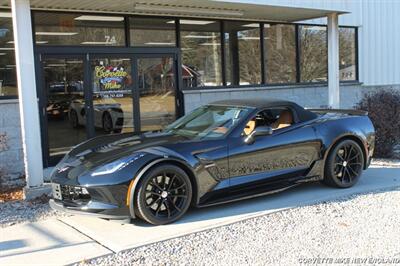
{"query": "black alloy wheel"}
(344, 165)
(73, 118)
(164, 195)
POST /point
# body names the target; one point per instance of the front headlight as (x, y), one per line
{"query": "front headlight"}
(116, 165)
(59, 166)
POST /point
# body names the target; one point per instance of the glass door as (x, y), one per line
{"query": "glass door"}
(88, 94)
(157, 91)
(111, 93)
(63, 88)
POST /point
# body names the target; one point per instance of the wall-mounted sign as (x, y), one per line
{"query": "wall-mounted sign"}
(110, 39)
(110, 77)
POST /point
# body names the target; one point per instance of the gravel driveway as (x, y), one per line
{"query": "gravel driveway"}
(361, 227)
(17, 212)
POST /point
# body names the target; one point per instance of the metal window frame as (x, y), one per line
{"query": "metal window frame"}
(356, 53)
(263, 55)
(222, 51)
(356, 39)
(9, 97)
(177, 30)
(222, 47)
(298, 52)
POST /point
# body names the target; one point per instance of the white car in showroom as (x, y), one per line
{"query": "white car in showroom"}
(108, 114)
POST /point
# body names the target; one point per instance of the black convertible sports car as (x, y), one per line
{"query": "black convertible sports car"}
(220, 152)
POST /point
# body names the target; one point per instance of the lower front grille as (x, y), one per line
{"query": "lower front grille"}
(78, 195)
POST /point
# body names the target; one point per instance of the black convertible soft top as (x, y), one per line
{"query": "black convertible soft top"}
(302, 114)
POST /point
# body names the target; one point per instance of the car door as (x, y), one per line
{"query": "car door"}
(286, 153)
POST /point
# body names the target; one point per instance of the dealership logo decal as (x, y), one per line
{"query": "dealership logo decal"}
(111, 78)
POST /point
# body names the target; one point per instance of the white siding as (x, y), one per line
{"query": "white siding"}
(380, 42)
(379, 33)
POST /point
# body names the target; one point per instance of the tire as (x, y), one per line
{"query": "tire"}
(164, 195)
(344, 164)
(73, 118)
(117, 130)
(107, 123)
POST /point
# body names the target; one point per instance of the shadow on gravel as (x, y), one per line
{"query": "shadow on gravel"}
(374, 180)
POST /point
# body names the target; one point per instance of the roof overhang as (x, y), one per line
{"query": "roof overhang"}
(217, 9)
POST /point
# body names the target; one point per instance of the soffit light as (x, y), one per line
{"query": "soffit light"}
(210, 43)
(56, 65)
(99, 18)
(74, 62)
(199, 36)
(182, 9)
(55, 33)
(160, 43)
(5, 15)
(252, 25)
(192, 22)
(94, 43)
(249, 38)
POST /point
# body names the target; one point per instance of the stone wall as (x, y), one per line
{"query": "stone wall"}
(312, 96)
(11, 154)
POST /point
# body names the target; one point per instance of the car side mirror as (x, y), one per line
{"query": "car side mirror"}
(259, 131)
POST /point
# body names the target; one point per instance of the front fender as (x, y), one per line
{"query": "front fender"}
(134, 183)
(129, 177)
(123, 176)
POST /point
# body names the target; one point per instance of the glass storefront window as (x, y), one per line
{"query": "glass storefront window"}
(78, 29)
(112, 95)
(152, 32)
(157, 92)
(64, 92)
(313, 54)
(347, 53)
(8, 77)
(280, 53)
(201, 53)
(242, 53)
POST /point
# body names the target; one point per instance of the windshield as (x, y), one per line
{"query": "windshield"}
(207, 122)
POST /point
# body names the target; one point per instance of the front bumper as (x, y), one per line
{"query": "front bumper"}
(104, 202)
(96, 209)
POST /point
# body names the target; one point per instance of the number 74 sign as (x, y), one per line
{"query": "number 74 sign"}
(110, 39)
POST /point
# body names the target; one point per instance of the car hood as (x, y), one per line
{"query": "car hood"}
(108, 148)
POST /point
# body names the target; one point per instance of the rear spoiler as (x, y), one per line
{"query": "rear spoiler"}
(340, 111)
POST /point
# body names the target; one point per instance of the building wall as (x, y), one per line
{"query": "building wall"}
(11, 154)
(379, 38)
(311, 96)
(377, 22)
